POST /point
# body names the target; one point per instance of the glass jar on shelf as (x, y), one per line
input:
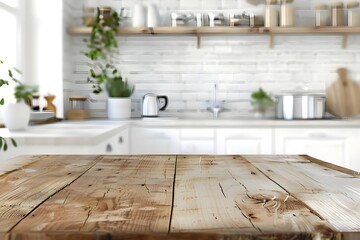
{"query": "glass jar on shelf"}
(89, 13)
(337, 14)
(271, 13)
(353, 14)
(287, 13)
(322, 15)
(77, 110)
(104, 12)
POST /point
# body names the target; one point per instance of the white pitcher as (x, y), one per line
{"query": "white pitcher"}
(139, 15)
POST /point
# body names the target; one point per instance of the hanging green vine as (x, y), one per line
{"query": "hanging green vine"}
(102, 46)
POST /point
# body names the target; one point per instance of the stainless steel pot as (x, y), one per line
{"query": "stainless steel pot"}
(300, 106)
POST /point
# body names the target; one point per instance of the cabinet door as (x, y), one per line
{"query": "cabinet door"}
(154, 140)
(117, 144)
(336, 146)
(244, 141)
(197, 141)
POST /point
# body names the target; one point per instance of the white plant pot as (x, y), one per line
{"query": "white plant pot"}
(16, 116)
(119, 108)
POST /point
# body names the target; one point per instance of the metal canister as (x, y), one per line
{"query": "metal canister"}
(337, 14)
(300, 106)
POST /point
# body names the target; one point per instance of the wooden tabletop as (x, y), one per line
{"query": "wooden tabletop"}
(177, 197)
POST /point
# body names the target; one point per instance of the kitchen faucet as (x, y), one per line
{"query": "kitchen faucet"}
(216, 108)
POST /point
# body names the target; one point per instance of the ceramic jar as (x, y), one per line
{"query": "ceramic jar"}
(17, 116)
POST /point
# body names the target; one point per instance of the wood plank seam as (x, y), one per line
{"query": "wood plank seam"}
(173, 194)
(250, 197)
(306, 205)
(50, 196)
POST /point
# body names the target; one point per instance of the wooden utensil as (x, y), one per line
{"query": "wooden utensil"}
(343, 96)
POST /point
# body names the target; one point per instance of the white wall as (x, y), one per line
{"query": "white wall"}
(42, 50)
(239, 64)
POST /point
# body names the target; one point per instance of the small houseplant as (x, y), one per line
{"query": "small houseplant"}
(261, 101)
(104, 72)
(3, 142)
(17, 115)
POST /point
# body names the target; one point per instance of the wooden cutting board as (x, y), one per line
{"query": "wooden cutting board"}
(343, 96)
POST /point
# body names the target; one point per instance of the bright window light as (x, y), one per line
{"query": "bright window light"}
(8, 52)
(10, 3)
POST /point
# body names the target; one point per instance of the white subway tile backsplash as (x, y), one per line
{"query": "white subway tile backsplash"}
(190, 4)
(199, 77)
(296, 67)
(229, 4)
(277, 67)
(238, 64)
(210, 4)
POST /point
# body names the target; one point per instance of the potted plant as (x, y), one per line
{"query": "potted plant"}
(3, 142)
(17, 115)
(261, 101)
(104, 72)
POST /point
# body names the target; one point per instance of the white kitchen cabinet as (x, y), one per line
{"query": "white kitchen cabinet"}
(117, 144)
(154, 140)
(197, 141)
(333, 145)
(244, 141)
(172, 140)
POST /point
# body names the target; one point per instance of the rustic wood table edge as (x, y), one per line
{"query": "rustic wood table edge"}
(178, 197)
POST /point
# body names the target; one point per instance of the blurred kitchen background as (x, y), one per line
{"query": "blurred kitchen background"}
(37, 43)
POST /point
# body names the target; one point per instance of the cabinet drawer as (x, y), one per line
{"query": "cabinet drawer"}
(118, 144)
(336, 146)
(154, 140)
(244, 141)
(197, 147)
(197, 133)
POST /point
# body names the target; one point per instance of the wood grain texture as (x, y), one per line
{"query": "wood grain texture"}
(331, 194)
(124, 194)
(228, 194)
(248, 197)
(172, 236)
(26, 186)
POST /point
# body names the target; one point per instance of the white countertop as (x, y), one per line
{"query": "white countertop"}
(67, 132)
(95, 131)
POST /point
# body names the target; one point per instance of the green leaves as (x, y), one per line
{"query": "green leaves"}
(261, 99)
(4, 145)
(24, 92)
(3, 82)
(116, 87)
(13, 142)
(102, 44)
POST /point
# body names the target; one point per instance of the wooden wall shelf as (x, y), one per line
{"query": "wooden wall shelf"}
(198, 31)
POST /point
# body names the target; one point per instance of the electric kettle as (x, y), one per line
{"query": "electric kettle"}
(151, 105)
